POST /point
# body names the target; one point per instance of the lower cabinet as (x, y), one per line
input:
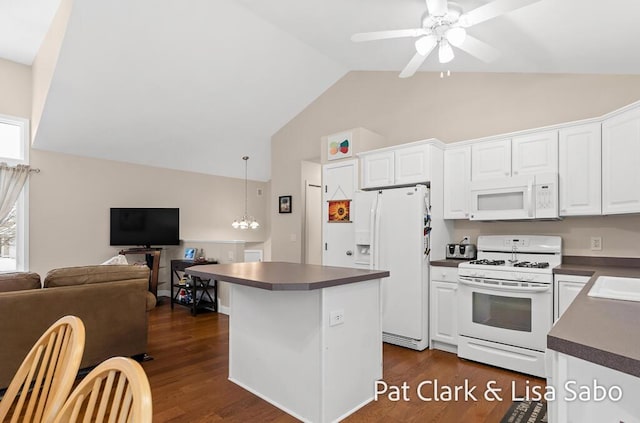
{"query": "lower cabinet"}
(566, 289)
(590, 393)
(443, 316)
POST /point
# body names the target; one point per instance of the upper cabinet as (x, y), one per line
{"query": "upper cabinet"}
(378, 169)
(621, 163)
(580, 174)
(399, 166)
(457, 175)
(522, 155)
(534, 153)
(491, 159)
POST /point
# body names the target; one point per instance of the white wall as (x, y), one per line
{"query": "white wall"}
(71, 196)
(463, 106)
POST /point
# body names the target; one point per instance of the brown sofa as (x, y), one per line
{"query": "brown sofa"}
(110, 300)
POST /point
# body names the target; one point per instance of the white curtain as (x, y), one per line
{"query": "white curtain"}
(12, 179)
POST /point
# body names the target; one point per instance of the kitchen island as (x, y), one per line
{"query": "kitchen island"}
(595, 350)
(306, 338)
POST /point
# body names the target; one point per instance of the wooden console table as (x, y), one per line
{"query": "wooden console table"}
(152, 257)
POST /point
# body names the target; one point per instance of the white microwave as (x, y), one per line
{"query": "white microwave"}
(515, 198)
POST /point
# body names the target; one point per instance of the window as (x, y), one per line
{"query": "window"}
(14, 149)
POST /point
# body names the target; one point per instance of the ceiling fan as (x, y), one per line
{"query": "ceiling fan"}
(444, 25)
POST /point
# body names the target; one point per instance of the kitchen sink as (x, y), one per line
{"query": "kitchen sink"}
(616, 288)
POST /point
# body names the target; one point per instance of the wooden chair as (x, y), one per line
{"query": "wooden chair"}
(44, 379)
(117, 390)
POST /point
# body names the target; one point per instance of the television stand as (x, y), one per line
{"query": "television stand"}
(152, 257)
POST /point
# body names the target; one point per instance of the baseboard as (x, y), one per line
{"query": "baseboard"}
(443, 346)
(224, 309)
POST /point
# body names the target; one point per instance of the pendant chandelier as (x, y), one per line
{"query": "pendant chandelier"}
(246, 221)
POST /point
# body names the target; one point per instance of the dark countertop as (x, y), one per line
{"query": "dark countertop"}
(448, 262)
(282, 276)
(599, 330)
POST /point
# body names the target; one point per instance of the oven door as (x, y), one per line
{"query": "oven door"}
(508, 312)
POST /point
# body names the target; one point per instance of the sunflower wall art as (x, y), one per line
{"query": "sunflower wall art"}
(339, 211)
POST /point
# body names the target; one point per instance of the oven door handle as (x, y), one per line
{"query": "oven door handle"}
(504, 288)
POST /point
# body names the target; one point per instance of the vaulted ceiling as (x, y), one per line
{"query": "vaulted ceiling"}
(197, 84)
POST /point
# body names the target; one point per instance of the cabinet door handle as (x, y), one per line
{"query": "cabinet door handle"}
(515, 172)
(506, 174)
(349, 252)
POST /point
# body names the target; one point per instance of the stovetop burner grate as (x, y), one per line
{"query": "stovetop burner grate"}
(528, 264)
(488, 262)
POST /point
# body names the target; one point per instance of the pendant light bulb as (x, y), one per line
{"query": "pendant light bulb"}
(246, 222)
(445, 52)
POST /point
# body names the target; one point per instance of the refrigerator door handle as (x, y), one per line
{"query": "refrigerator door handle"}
(377, 230)
(372, 225)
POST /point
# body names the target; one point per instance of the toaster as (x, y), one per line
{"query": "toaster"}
(461, 251)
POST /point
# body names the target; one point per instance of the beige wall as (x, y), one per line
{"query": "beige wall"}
(15, 89)
(71, 196)
(463, 106)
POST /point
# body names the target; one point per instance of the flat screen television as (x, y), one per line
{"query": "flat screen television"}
(145, 226)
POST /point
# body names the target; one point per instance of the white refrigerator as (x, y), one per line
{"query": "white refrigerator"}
(392, 229)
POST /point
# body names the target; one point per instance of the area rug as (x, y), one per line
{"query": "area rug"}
(526, 412)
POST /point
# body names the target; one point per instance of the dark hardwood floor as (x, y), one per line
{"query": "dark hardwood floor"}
(188, 377)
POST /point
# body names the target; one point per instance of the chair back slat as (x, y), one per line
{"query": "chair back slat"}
(115, 391)
(44, 379)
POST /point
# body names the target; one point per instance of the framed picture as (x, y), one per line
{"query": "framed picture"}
(189, 253)
(339, 211)
(284, 204)
(339, 146)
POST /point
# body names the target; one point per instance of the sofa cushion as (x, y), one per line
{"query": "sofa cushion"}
(84, 275)
(19, 281)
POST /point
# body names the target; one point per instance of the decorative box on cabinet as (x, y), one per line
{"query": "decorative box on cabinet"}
(457, 175)
(621, 163)
(579, 168)
(443, 319)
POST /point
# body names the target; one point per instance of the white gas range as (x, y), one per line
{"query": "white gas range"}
(505, 301)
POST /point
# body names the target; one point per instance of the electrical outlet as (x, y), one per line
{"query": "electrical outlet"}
(466, 239)
(336, 317)
(259, 192)
(596, 243)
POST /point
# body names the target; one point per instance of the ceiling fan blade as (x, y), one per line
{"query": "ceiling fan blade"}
(437, 7)
(492, 10)
(383, 35)
(416, 61)
(479, 49)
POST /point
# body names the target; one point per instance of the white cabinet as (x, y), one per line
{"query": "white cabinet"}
(580, 171)
(412, 165)
(573, 379)
(491, 159)
(523, 155)
(444, 308)
(534, 153)
(621, 163)
(566, 289)
(400, 166)
(457, 175)
(378, 170)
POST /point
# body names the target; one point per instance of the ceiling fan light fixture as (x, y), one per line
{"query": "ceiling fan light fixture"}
(456, 35)
(425, 44)
(445, 52)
